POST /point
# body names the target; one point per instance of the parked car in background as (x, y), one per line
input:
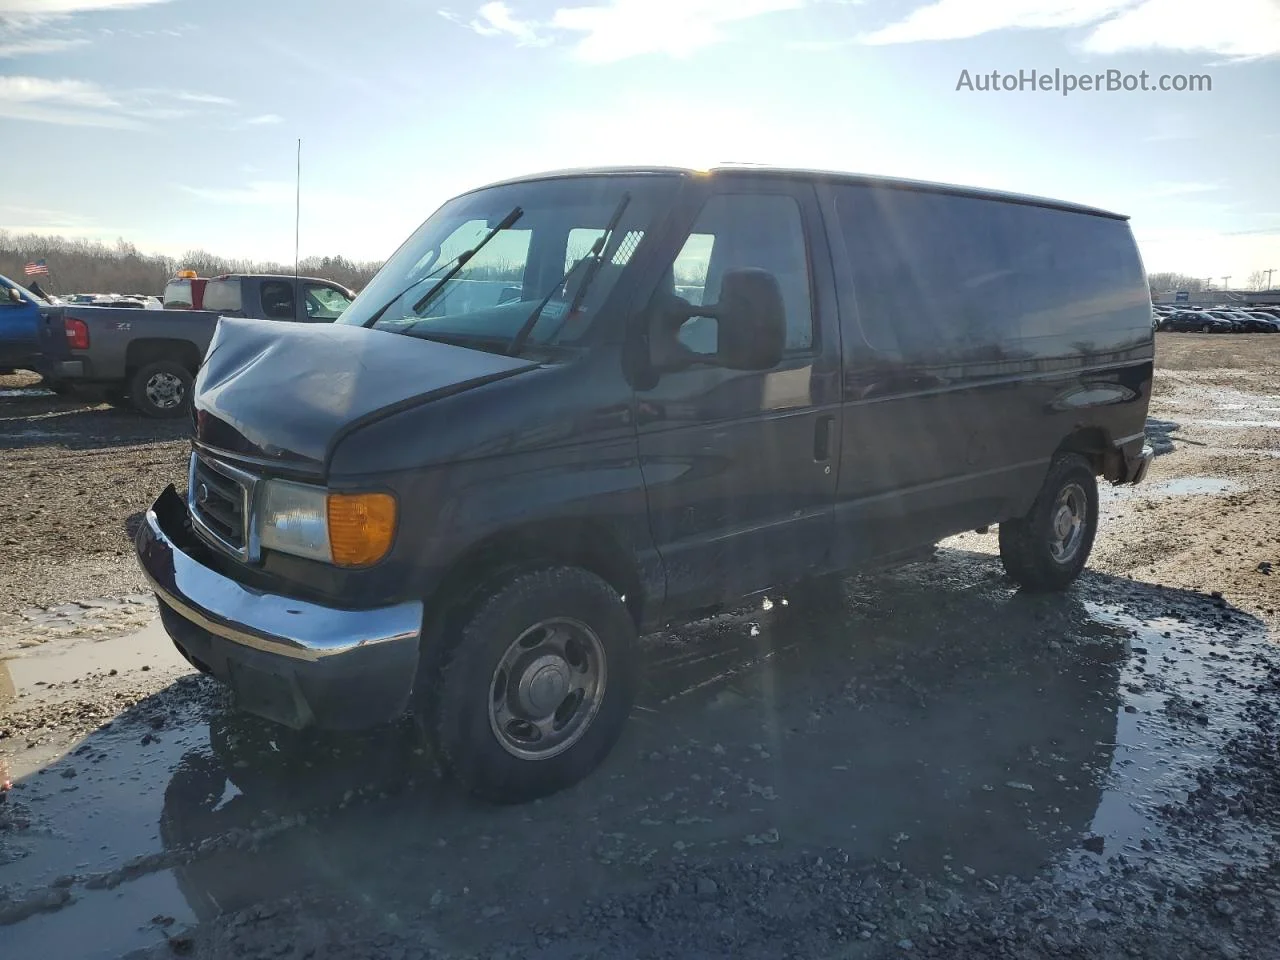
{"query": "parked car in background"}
(149, 358)
(1260, 322)
(475, 509)
(1197, 321)
(20, 312)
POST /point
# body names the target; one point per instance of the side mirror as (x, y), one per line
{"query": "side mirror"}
(751, 320)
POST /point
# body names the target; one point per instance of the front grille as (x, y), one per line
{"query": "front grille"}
(218, 497)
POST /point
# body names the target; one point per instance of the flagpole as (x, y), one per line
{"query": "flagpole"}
(297, 215)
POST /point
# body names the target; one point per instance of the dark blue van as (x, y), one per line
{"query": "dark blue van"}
(576, 406)
(19, 327)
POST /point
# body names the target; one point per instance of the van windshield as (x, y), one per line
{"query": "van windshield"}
(489, 299)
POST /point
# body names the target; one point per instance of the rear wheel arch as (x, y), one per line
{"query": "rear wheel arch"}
(148, 350)
(1097, 447)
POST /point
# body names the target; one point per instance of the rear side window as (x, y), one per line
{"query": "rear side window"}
(223, 296)
(940, 277)
(277, 299)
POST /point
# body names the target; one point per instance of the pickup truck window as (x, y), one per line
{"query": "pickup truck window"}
(277, 300)
(177, 295)
(223, 296)
(323, 303)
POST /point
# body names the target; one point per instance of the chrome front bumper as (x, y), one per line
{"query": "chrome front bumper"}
(291, 660)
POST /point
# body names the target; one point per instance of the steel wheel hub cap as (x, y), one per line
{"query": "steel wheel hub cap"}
(547, 688)
(1070, 516)
(164, 390)
(544, 685)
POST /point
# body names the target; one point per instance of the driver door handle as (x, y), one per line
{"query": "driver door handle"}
(822, 438)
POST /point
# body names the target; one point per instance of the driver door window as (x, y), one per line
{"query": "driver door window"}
(736, 231)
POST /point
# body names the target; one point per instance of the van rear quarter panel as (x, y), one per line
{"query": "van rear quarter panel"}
(979, 336)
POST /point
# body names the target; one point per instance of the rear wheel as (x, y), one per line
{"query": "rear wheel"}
(161, 389)
(1047, 549)
(535, 687)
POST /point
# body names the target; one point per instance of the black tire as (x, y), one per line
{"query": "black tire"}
(157, 382)
(1033, 549)
(459, 705)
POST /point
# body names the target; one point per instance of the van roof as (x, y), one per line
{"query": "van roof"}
(825, 176)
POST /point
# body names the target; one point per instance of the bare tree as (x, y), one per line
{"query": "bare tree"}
(1172, 282)
(1257, 280)
(88, 266)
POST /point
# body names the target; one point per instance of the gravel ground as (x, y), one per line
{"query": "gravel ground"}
(924, 762)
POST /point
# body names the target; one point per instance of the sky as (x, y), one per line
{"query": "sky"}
(173, 123)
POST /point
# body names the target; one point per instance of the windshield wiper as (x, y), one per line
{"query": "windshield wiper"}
(454, 265)
(595, 258)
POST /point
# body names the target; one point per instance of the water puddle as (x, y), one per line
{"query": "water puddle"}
(1176, 487)
(26, 392)
(932, 716)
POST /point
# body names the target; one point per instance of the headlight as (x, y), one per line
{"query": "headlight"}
(293, 518)
(346, 529)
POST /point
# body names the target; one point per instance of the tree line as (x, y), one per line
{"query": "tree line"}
(90, 266)
(1172, 282)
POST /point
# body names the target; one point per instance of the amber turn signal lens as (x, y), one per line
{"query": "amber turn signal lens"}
(361, 527)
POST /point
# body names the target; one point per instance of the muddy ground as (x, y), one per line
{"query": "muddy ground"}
(930, 764)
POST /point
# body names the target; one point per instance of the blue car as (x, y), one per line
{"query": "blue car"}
(19, 326)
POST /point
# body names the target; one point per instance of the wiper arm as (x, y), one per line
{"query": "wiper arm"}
(454, 265)
(594, 257)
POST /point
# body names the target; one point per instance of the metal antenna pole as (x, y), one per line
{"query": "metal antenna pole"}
(297, 216)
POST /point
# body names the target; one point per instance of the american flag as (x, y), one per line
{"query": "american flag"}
(35, 267)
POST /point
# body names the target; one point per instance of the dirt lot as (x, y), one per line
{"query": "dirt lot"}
(932, 764)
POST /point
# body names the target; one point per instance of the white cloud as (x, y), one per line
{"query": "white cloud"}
(1234, 28)
(78, 103)
(67, 7)
(627, 28)
(18, 47)
(960, 19)
(614, 30)
(496, 19)
(212, 98)
(265, 119)
(41, 90)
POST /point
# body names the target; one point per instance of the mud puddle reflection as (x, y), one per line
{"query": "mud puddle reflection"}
(934, 717)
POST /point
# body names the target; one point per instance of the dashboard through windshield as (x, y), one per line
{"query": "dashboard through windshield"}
(495, 291)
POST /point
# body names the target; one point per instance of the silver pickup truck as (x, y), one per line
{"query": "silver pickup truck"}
(148, 359)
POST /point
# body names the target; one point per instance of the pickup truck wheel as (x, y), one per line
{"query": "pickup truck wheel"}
(535, 688)
(161, 389)
(1047, 549)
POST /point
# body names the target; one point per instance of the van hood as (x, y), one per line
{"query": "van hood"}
(288, 391)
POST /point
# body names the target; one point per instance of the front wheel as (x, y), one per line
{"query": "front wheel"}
(161, 389)
(536, 686)
(1047, 549)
